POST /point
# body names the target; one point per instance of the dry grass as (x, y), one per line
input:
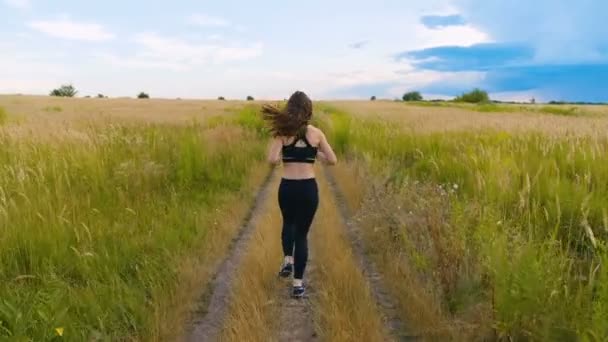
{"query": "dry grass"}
(41, 116)
(157, 197)
(252, 312)
(344, 307)
(387, 222)
(440, 119)
(483, 232)
(33, 108)
(196, 271)
(342, 302)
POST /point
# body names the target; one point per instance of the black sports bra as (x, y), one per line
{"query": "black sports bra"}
(296, 153)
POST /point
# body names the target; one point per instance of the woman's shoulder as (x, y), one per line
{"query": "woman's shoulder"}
(314, 129)
(314, 134)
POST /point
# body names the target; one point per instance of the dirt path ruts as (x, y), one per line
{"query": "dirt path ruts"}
(393, 323)
(208, 321)
(295, 323)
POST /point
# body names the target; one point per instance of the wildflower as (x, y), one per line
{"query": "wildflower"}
(59, 331)
(455, 186)
(499, 223)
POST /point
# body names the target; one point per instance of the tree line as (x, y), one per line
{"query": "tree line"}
(68, 90)
(480, 96)
(474, 96)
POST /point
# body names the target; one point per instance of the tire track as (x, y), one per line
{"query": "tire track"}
(208, 320)
(343, 306)
(394, 325)
(296, 316)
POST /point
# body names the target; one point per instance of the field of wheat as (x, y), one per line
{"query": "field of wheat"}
(487, 226)
(479, 222)
(112, 211)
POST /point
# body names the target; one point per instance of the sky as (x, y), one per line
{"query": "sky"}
(516, 50)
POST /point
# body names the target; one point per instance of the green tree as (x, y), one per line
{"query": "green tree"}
(66, 90)
(412, 96)
(143, 95)
(474, 96)
(250, 98)
(373, 98)
(221, 98)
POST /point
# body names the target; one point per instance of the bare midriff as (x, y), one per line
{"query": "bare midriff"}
(298, 171)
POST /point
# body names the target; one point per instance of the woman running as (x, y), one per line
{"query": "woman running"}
(298, 144)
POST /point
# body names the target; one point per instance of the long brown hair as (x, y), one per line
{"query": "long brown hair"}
(291, 120)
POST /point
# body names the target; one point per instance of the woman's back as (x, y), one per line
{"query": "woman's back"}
(298, 153)
(297, 144)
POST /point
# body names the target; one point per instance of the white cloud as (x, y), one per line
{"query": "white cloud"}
(519, 96)
(71, 30)
(27, 73)
(169, 48)
(561, 31)
(215, 37)
(207, 20)
(465, 35)
(21, 85)
(339, 80)
(161, 52)
(19, 4)
(384, 84)
(140, 62)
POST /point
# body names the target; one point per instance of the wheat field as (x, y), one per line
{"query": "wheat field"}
(487, 225)
(113, 212)
(485, 222)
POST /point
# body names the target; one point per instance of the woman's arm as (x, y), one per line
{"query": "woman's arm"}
(326, 152)
(321, 156)
(274, 152)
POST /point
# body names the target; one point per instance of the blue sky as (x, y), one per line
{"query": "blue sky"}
(547, 49)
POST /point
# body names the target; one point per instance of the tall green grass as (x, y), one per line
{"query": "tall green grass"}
(490, 107)
(567, 111)
(3, 116)
(92, 229)
(529, 210)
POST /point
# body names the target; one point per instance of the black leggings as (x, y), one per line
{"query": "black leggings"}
(298, 200)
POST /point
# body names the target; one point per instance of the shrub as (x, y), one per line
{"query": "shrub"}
(412, 96)
(250, 98)
(101, 96)
(221, 98)
(474, 96)
(373, 98)
(143, 95)
(66, 90)
(56, 109)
